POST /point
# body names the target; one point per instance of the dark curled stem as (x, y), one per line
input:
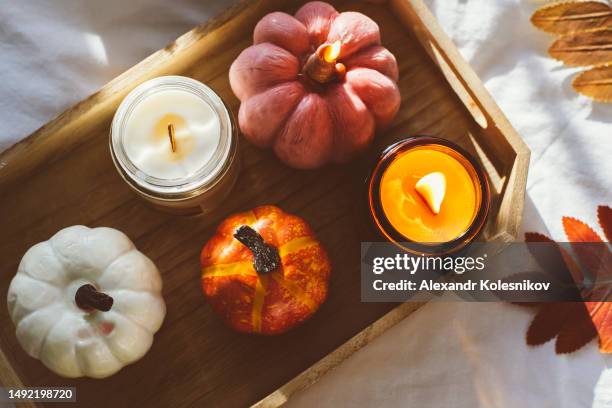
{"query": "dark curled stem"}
(88, 298)
(266, 256)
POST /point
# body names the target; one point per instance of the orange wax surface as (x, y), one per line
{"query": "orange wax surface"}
(406, 210)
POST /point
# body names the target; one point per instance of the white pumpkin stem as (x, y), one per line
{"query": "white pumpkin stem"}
(89, 299)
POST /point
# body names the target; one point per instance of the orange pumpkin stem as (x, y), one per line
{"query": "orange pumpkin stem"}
(322, 66)
(266, 256)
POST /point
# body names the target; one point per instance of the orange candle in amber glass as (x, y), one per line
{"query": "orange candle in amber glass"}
(428, 196)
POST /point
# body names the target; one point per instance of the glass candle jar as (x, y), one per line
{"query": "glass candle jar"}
(428, 196)
(174, 142)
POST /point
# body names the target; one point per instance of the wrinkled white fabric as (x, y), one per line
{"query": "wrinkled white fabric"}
(55, 53)
(447, 354)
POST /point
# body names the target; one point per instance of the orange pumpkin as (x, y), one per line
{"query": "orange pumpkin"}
(264, 272)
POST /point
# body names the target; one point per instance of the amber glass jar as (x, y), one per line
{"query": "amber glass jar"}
(401, 216)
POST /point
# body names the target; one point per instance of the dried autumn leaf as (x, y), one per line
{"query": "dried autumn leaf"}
(578, 330)
(548, 322)
(578, 231)
(601, 316)
(554, 258)
(569, 322)
(570, 17)
(575, 324)
(584, 48)
(537, 237)
(596, 258)
(595, 83)
(604, 216)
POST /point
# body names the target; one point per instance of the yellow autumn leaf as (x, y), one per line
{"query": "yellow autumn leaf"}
(595, 83)
(584, 48)
(571, 17)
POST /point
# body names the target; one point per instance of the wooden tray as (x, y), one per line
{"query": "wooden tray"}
(63, 175)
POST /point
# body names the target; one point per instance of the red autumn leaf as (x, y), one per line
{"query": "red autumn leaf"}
(565, 264)
(536, 237)
(578, 330)
(595, 258)
(604, 216)
(578, 231)
(575, 324)
(601, 316)
(548, 322)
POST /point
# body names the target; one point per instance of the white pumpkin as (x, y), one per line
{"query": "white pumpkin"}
(81, 341)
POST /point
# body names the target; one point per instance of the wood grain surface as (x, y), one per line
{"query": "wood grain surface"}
(63, 175)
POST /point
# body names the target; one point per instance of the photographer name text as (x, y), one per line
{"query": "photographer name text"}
(468, 285)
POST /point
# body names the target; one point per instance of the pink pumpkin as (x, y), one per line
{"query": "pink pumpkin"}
(315, 86)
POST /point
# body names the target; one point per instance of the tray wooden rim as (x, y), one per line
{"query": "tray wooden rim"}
(42, 148)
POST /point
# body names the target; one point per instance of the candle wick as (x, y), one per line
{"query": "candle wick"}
(171, 136)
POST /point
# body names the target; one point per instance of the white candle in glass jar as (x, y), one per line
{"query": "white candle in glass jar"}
(147, 137)
(174, 142)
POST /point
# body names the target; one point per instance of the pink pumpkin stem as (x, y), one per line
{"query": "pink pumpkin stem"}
(322, 67)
